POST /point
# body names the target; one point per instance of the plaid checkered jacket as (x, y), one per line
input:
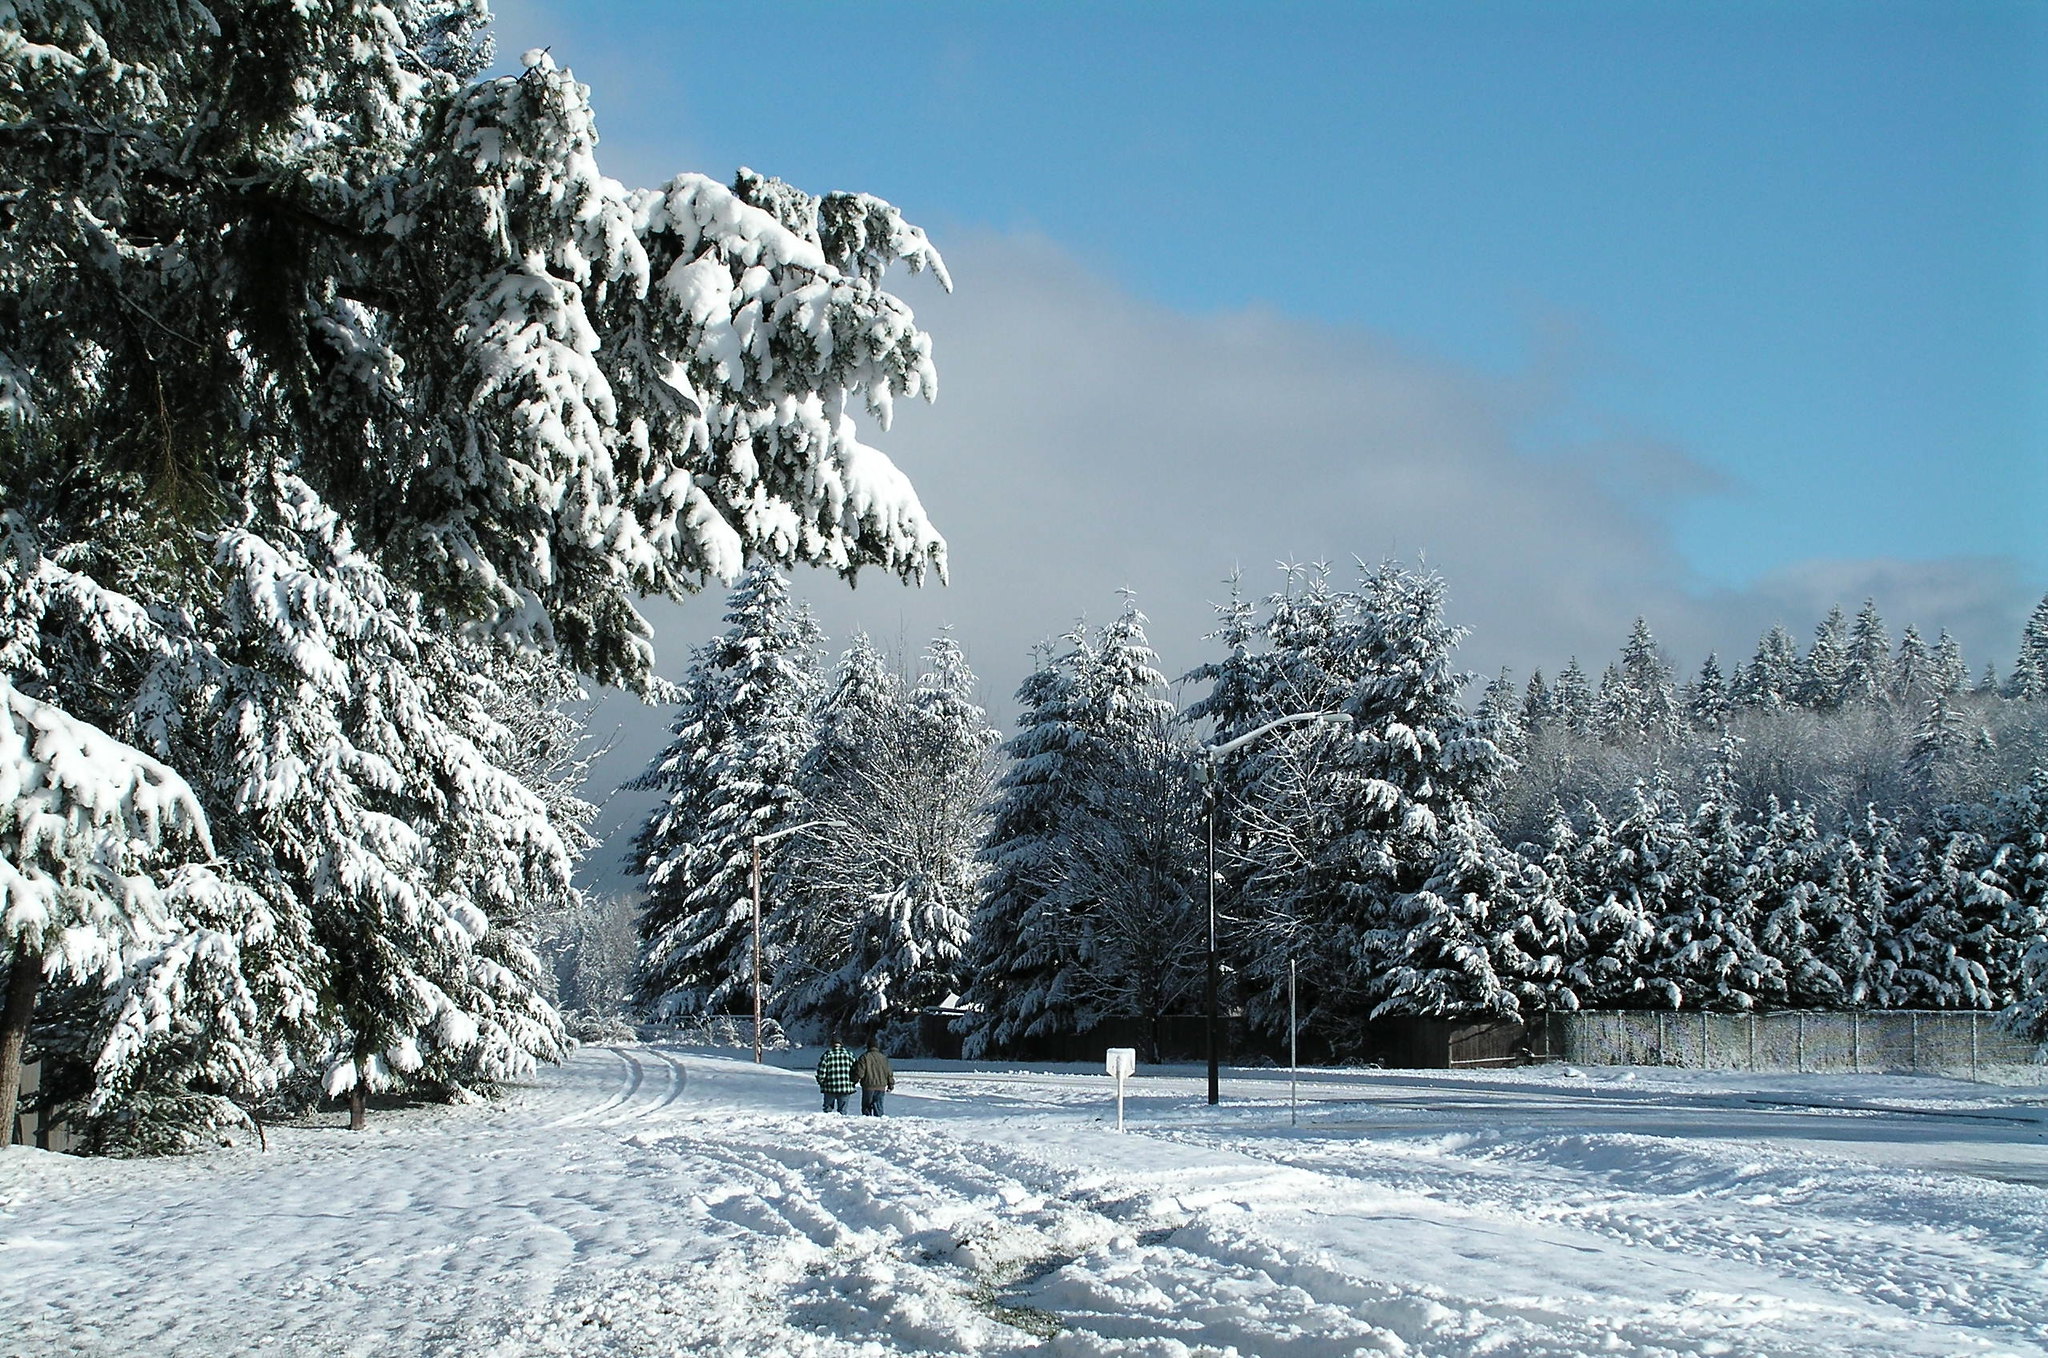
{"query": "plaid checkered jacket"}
(835, 1071)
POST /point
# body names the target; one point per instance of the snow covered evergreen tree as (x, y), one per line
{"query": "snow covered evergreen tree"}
(1867, 674)
(90, 829)
(729, 774)
(1807, 922)
(1858, 897)
(1611, 707)
(863, 710)
(1708, 952)
(1020, 952)
(1938, 751)
(1089, 914)
(1573, 698)
(1951, 671)
(817, 910)
(1127, 872)
(370, 780)
(1824, 669)
(2022, 820)
(1239, 683)
(1539, 705)
(1638, 701)
(1633, 873)
(1913, 677)
(1706, 699)
(1501, 716)
(1340, 825)
(1448, 944)
(1771, 678)
(332, 374)
(881, 893)
(1547, 931)
(2028, 681)
(325, 242)
(1948, 933)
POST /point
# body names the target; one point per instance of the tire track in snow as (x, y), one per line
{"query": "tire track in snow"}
(676, 1078)
(634, 1076)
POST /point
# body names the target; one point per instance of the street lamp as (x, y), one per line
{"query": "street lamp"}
(759, 840)
(1205, 773)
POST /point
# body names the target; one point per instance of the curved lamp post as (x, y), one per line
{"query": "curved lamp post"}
(759, 840)
(1205, 774)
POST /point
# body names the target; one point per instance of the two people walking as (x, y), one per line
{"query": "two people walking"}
(840, 1073)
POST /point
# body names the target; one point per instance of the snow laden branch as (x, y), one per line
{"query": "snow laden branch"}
(310, 237)
(83, 819)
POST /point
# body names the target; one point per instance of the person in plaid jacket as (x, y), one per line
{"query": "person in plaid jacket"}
(835, 1076)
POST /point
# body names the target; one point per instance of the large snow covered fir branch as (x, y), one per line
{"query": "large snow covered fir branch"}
(82, 817)
(304, 235)
(83, 820)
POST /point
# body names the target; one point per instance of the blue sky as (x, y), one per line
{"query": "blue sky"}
(1804, 241)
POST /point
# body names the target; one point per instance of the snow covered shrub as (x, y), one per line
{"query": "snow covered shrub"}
(584, 1025)
(720, 1030)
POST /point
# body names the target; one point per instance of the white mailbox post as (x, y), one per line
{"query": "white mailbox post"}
(1122, 1063)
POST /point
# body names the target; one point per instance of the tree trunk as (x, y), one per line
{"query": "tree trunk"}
(357, 1120)
(23, 979)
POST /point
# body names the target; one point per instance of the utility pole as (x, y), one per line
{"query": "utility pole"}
(759, 840)
(1205, 773)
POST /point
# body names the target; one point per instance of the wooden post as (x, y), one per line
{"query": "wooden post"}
(24, 978)
(757, 950)
(358, 1097)
(1209, 986)
(1293, 1057)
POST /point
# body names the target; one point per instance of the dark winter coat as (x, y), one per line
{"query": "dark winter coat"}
(835, 1070)
(872, 1070)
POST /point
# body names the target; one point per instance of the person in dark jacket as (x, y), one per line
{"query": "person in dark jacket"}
(875, 1078)
(835, 1076)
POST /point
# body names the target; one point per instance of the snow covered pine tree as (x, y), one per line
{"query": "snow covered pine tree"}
(332, 375)
(729, 774)
(881, 893)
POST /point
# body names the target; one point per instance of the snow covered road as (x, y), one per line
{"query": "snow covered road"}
(642, 1200)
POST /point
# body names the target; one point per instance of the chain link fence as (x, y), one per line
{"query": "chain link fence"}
(1934, 1042)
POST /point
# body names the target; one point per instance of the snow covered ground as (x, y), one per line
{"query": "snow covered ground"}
(648, 1200)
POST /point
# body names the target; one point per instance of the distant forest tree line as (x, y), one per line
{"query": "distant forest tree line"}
(1856, 822)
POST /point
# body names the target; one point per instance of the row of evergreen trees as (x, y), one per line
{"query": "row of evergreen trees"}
(1854, 824)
